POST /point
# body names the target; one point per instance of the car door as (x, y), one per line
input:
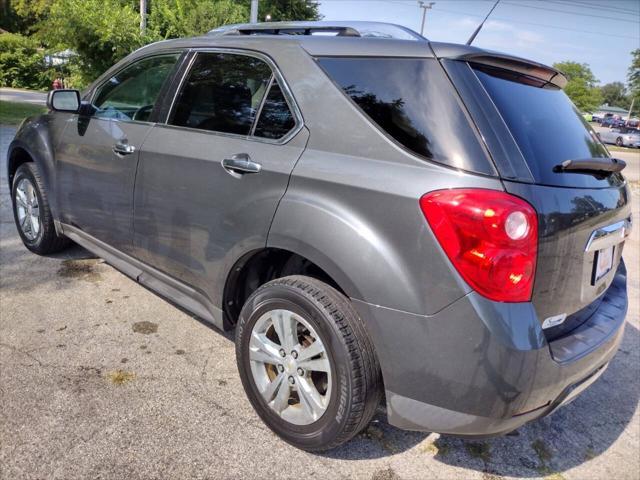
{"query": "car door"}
(98, 155)
(210, 179)
(609, 135)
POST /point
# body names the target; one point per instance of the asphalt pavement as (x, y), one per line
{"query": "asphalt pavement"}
(23, 96)
(100, 378)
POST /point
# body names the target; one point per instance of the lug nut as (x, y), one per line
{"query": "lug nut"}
(281, 368)
(283, 353)
(300, 372)
(292, 380)
(294, 354)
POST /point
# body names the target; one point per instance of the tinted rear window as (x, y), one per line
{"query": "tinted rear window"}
(546, 126)
(414, 103)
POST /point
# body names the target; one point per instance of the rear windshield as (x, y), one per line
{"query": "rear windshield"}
(546, 126)
(413, 102)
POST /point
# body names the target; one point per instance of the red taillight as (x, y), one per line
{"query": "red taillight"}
(491, 238)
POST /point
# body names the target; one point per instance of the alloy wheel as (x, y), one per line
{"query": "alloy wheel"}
(290, 366)
(26, 201)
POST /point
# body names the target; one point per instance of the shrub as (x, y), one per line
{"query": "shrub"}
(21, 64)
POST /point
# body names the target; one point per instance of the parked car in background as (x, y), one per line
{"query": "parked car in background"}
(612, 122)
(621, 136)
(387, 217)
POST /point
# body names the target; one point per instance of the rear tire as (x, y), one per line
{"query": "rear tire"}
(347, 395)
(32, 213)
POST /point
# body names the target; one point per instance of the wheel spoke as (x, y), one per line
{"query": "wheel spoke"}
(22, 196)
(286, 328)
(317, 365)
(261, 349)
(35, 224)
(272, 387)
(31, 194)
(20, 201)
(310, 398)
(313, 350)
(24, 222)
(282, 397)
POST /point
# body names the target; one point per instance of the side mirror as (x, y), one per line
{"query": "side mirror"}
(64, 101)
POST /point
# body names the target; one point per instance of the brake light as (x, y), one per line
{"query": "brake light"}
(491, 237)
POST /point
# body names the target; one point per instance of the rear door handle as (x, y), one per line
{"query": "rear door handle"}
(240, 164)
(121, 148)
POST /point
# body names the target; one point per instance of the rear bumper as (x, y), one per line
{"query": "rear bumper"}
(480, 368)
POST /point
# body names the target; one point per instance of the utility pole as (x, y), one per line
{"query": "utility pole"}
(254, 12)
(633, 100)
(424, 6)
(143, 16)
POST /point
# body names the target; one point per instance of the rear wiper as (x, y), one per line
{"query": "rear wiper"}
(601, 167)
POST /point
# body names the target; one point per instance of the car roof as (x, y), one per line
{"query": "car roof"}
(353, 38)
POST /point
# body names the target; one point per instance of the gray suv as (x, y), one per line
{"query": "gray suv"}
(381, 218)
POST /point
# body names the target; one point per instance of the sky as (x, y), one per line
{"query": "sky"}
(601, 33)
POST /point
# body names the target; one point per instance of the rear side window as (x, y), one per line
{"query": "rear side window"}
(222, 93)
(546, 126)
(276, 119)
(414, 103)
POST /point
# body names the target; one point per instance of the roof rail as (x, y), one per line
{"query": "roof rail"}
(340, 29)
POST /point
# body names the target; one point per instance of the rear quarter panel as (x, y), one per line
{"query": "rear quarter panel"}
(352, 206)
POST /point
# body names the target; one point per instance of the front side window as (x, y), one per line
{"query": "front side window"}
(222, 93)
(132, 92)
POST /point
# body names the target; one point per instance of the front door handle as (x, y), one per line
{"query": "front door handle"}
(240, 164)
(121, 148)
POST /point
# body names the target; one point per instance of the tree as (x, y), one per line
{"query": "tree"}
(287, 10)
(633, 77)
(581, 85)
(21, 65)
(614, 94)
(101, 32)
(187, 18)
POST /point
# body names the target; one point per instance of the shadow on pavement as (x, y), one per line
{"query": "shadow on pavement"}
(573, 435)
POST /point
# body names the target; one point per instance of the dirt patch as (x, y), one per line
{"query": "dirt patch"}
(145, 327)
(80, 269)
(120, 377)
(387, 474)
(180, 352)
(480, 450)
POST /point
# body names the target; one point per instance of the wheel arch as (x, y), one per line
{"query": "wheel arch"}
(259, 266)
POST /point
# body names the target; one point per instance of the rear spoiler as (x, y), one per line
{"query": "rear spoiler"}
(500, 60)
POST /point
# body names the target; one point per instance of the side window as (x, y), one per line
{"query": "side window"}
(222, 93)
(413, 102)
(132, 92)
(276, 119)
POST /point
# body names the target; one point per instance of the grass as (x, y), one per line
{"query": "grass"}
(12, 113)
(615, 148)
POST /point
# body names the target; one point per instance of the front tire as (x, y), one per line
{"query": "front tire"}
(619, 142)
(307, 363)
(32, 213)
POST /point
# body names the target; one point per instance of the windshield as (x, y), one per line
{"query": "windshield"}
(546, 126)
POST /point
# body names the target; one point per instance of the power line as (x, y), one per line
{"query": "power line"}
(538, 24)
(593, 6)
(570, 13)
(403, 3)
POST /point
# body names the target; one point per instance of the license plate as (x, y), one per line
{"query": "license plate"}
(603, 263)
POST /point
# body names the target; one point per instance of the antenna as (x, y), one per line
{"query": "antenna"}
(475, 34)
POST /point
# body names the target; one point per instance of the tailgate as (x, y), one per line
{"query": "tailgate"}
(531, 128)
(578, 229)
